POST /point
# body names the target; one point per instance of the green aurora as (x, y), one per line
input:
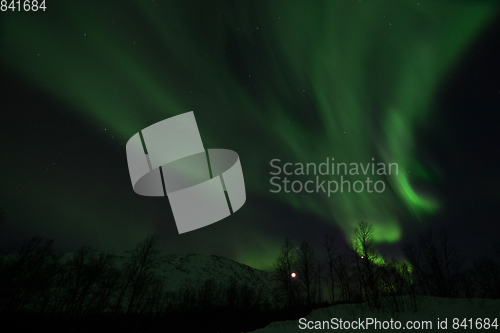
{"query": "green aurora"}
(297, 80)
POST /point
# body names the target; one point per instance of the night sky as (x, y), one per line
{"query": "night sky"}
(415, 83)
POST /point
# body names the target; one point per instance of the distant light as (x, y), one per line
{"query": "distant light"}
(362, 257)
(294, 275)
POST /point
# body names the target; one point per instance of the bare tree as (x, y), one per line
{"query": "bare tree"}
(396, 282)
(437, 264)
(139, 271)
(283, 269)
(343, 274)
(319, 287)
(331, 253)
(486, 277)
(452, 263)
(366, 258)
(86, 284)
(307, 270)
(30, 276)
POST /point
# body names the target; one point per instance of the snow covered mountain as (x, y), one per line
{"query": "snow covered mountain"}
(193, 270)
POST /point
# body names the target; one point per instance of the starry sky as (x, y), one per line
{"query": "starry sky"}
(409, 82)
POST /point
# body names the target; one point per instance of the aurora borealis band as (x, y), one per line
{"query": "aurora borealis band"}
(298, 81)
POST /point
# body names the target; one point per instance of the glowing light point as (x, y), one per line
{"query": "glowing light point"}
(294, 275)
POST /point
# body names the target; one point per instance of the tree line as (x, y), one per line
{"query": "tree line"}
(359, 273)
(89, 290)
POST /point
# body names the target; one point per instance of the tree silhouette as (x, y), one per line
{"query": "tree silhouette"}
(366, 258)
(486, 277)
(437, 264)
(138, 272)
(331, 253)
(89, 282)
(307, 270)
(29, 276)
(283, 270)
(344, 275)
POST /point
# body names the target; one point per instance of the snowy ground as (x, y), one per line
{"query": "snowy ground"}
(431, 311)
